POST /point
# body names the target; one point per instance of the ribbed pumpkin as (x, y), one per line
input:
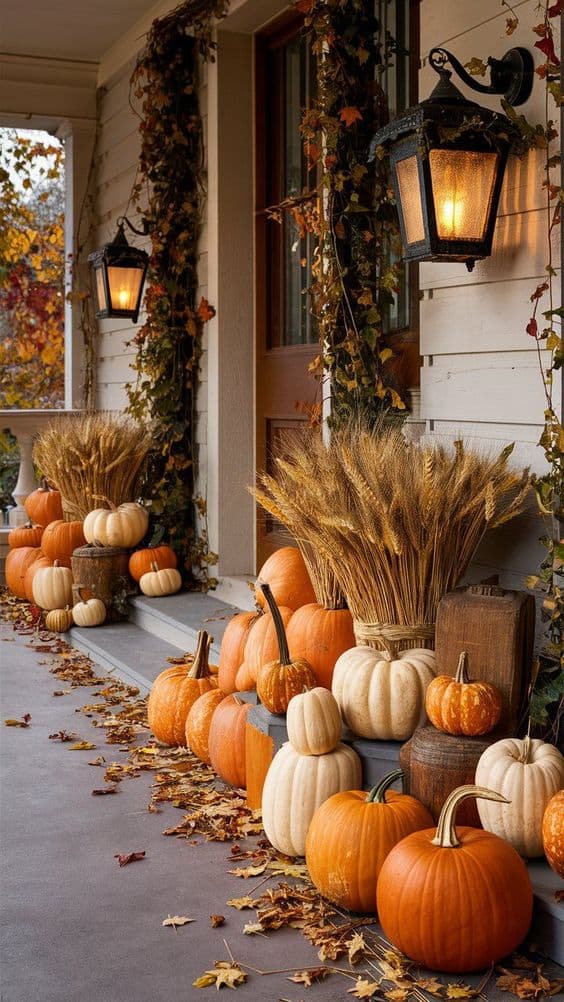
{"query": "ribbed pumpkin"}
(455, 900)
(233, 648)
(59, 620)
(123, 525)
(141, 561)
(296, 785)
(37, 565)
(160, 581)
(313, 722)
(43, 505)
(527, 772)
(87, 612)
(320, 636)
(52, 587)
(25, 535)
(60, 539)
(261, 647)
(278, 681)
(382, 698)
(198, 723)
(175, 690)
(286, 573)
(17, 564)
(459, 706)
(226, 740)
(553, 832)
(350, 836)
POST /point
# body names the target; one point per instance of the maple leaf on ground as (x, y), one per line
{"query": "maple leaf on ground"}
(177, 920)
(308, 977)
(23, 722)
(253, 928)
(350, 115)
(63, 736)
(248, 871)
(129, 857)
(217, 920)
(397, 994)
(110, 788)
(82, 746)
(356, 947)
(239, 903)
(461, 992)
(224, 973)
(430, 985)
(364, 989)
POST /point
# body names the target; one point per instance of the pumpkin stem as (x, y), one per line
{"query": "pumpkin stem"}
(200, 664)
(462, 668)
(445, 835)
(154, 566)
(377, 794)
(526, 756)
(278, 623)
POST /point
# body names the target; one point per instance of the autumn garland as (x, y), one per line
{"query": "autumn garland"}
(166, 80)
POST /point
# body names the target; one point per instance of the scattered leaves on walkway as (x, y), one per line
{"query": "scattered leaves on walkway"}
(177, 920)
(224, 973)
(529, 986)
(129, 857)
(24, 721)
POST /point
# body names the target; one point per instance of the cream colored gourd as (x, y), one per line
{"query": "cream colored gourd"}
(52, 587)
(296, 785)
(156, 583)
(88, 611)
(527, 772)
(59, 620)
(383, 698)
(124, 525)
(313, 722)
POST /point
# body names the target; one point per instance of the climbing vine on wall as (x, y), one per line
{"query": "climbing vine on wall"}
(165, 81)
(349, 207)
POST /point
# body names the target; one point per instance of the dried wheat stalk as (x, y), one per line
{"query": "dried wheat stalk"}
(93, 458)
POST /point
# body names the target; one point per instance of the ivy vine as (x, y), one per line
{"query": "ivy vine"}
(166, 81)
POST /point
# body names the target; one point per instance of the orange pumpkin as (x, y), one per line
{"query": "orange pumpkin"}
(455, 900)
(233, 648)
(42, 561)
(261, 647)
(17, 563)
(141, 562)
(43, 505)
(25, 535)
(458, 706)
(226, 741)
(198, 723)
(286, 573)
(175, 690)
(60, 539)
(278, 681)
(553, 832)
(350, 836)
(320, 636)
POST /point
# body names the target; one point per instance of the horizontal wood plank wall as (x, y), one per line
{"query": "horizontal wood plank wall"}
(480, 378)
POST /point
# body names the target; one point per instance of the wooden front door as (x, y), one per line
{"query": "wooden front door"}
(286, 335)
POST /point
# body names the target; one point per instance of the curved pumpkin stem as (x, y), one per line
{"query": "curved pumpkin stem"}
(200, 664)
(446, 836)
(462, 668)
(377, 794)
(278, 623)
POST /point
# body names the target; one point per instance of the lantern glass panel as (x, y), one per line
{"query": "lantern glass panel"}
(125, 284)
(463, 183)
(407, 172)
(100, 289)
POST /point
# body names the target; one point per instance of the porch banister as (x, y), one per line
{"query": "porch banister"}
(24, 426)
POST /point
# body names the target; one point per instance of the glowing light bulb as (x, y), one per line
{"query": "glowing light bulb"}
(451, 214)
(123, 299)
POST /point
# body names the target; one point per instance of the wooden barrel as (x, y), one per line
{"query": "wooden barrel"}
(103, 571)
(435, 764)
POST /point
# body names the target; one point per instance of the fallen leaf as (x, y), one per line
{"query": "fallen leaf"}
(129, 857)
(356, 947)
(290, 869)
(364, 989)
(397, 994)
(98, 761)
(63, 736)
(23, 722)
(248, 871)
(240, 903)
(82, 746)
(217, 920)
(461, 992)
(176, 920)
(110, 788)
(224, 973)
(308, 977)
(62, 692)
(253, 928)
(430, 985)
(149, 750)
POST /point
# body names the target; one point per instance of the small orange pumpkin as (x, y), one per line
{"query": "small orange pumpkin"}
(17, 564)
(60, 539)
(278, 681)
(142, 561)
(553, 832)
(44, 505)
(233, 648)
(25, 535)
(198, 723)
(175, 690)
(286, 573)
(226, 741)
(458, 706)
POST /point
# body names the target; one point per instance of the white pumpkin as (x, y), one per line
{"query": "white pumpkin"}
(156, 583)
(52, 587)
(380, 698)
(296, 785)
(88, 611)
(313, 722)
(122, 526)
(527, 772)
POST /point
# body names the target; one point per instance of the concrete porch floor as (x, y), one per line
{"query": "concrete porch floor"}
(77, 927)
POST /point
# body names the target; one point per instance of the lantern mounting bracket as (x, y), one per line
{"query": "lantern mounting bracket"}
(511, 76)
(147, 227)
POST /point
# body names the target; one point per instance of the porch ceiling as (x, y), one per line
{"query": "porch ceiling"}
(65, 29)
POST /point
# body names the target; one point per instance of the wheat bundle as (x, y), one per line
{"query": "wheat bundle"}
(93, 458)
(397, 522)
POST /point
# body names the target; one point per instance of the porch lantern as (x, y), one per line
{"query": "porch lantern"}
(118, 273)
(448, 157)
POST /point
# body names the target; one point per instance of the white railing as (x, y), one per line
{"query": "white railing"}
(24, 426)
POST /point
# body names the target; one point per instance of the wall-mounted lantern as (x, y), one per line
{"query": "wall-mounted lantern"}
(118, 273)
(448, 157)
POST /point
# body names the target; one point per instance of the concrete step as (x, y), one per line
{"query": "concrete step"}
(134, 654)
(177, 618)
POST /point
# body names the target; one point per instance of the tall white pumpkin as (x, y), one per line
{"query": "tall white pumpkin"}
(527, 772)
(382, 698)
(296, 785)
